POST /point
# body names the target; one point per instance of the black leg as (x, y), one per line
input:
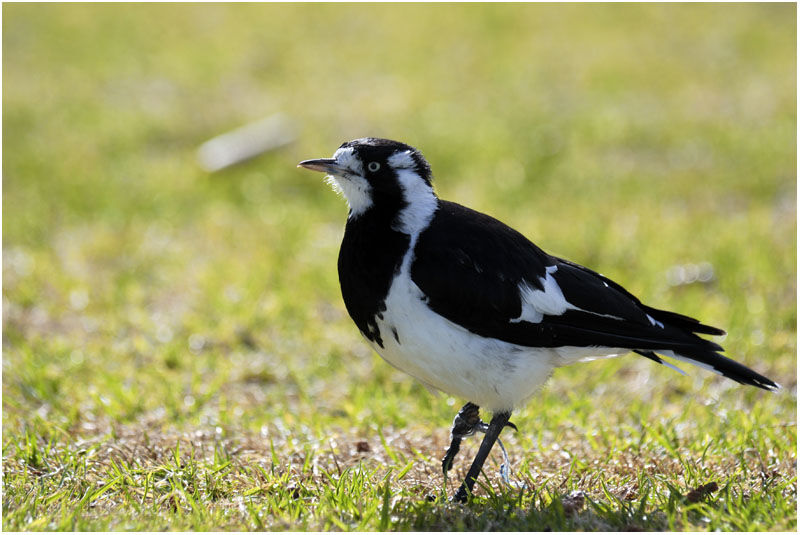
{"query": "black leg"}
(465, 424)
(499, 421)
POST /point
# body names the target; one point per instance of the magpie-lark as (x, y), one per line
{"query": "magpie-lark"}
(469, 306)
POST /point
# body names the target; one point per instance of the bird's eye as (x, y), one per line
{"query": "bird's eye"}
(373, 166)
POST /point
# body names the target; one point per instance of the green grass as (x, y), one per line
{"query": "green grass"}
(176, 354)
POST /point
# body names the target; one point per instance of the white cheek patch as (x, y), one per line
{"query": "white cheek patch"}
(420, 200)
(352, 185)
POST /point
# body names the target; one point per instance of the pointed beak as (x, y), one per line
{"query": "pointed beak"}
(324, 165)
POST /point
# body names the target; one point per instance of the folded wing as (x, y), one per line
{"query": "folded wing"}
(514, 291)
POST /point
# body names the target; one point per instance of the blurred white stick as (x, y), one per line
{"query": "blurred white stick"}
(245, 142)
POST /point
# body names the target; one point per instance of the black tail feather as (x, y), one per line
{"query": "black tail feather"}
(719, 364)
(729, 368)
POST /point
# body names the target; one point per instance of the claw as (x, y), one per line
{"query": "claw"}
(512, 426)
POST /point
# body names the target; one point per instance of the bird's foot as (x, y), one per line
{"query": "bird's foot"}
(465, 424)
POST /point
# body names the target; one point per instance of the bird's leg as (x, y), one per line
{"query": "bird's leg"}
(499, 421)
(465, 424)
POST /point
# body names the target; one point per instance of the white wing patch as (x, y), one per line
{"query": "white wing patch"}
(549, 301)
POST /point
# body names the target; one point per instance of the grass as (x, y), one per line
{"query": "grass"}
(176, 354)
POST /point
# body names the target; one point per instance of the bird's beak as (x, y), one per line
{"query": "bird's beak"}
(324, 165)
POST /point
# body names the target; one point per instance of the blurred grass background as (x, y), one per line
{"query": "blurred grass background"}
(143, 296)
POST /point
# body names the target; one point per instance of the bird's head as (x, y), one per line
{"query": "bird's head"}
(377, 173)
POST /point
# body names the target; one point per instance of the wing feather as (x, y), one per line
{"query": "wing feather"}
(483, 289)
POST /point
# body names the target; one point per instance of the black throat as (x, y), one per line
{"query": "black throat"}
(370, 256)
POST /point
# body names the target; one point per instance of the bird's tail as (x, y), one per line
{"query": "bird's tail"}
(703, 353)
(713, 361)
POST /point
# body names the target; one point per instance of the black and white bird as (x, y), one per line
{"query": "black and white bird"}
(469, 306)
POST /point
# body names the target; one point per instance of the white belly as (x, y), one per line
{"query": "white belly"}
(491, 373)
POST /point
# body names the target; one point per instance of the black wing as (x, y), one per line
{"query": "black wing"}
(471, 267)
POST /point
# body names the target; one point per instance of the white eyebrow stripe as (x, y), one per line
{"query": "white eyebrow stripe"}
(402, 160)
(346, 157)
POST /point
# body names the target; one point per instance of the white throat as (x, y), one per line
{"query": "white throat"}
(355, 190)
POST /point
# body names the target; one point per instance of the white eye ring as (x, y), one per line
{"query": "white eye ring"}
(373, 166)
